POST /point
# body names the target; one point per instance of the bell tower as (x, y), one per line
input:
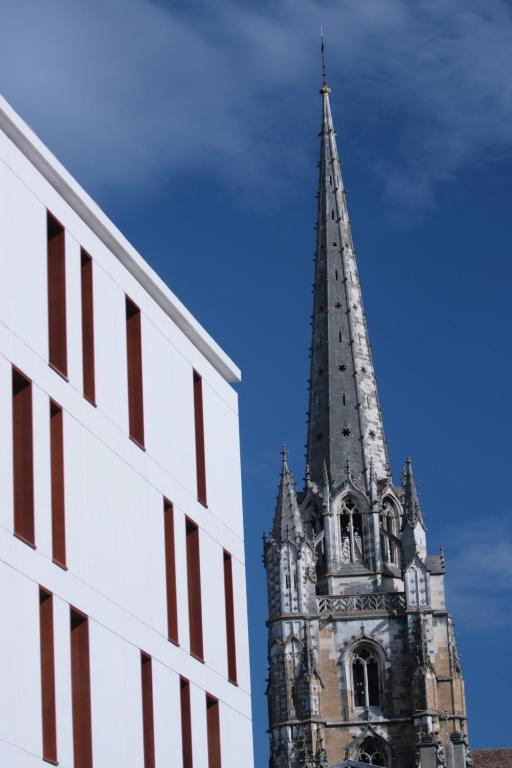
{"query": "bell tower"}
(363, 661)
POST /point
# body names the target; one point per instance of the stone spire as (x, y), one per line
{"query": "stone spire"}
(414, 533)
(344, 419)
(412, 507)
(287, 520)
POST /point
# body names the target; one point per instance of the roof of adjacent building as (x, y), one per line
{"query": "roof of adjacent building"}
(493, 758)
(84, 206)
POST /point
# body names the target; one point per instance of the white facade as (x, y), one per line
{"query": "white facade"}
(113, 490)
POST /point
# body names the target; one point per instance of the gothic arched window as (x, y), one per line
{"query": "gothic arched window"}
(351, 532)
(370, 752)
(365, 678)
(389, 529)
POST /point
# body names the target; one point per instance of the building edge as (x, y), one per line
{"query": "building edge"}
(94, 217)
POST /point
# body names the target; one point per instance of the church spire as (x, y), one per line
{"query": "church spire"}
(344, 419)
(412, 507)
(287, 519)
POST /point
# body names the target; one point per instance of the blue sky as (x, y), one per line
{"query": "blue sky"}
(195, 125)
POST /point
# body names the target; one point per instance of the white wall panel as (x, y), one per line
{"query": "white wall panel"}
(167, 717)
(222, 460)
(23, 288)
(168, 406)
(213, 603)
(198, 716)
(241, 628)
(110, 348)
(236, 738)
(20, 691)
(115, 699)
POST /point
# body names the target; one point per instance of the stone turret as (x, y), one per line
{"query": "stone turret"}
(414, 532)
(288, 524)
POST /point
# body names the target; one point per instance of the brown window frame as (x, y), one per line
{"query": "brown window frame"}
(87, 297)
(195, 613)
(57, 484)
(47, 650)
(186, 723)
(199, 438)
(23, 458)
(81, 689)
(213, 731)
(170, 573)
(148, 722)
(230, 617)
(57, 326)
(134, 369)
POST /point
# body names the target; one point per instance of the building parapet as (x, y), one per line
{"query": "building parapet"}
(388, 602)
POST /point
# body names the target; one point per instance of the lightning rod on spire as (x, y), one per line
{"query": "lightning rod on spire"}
(322, 49)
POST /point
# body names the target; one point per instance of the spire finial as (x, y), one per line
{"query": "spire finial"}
(322, 51)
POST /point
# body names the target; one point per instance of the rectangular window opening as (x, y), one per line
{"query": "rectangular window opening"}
(148, 727)
(81, 690)
(134, 362)
(47, 676)
(56, 259)
(194, 590)
(199, 437)
(170, 573)
(89, 379)
(57, 484)
(213, 731)
(23, 468)
(186, 723)
(230, 617)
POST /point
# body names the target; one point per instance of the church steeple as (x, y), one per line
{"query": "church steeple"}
(287, 520)
(344, 419)
(363, 666)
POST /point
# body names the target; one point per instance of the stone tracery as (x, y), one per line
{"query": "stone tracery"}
(351, 532)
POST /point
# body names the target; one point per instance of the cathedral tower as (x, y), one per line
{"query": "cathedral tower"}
(363, 662)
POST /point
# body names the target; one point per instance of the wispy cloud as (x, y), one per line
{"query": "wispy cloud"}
(129, 92)
(479, 582)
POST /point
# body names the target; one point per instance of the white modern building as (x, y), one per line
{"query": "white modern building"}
(123, 638)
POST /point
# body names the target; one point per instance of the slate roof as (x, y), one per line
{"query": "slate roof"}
(344, 418)
(435, 564)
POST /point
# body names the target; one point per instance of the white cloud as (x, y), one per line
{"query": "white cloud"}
(129, 92)
(479, 575)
